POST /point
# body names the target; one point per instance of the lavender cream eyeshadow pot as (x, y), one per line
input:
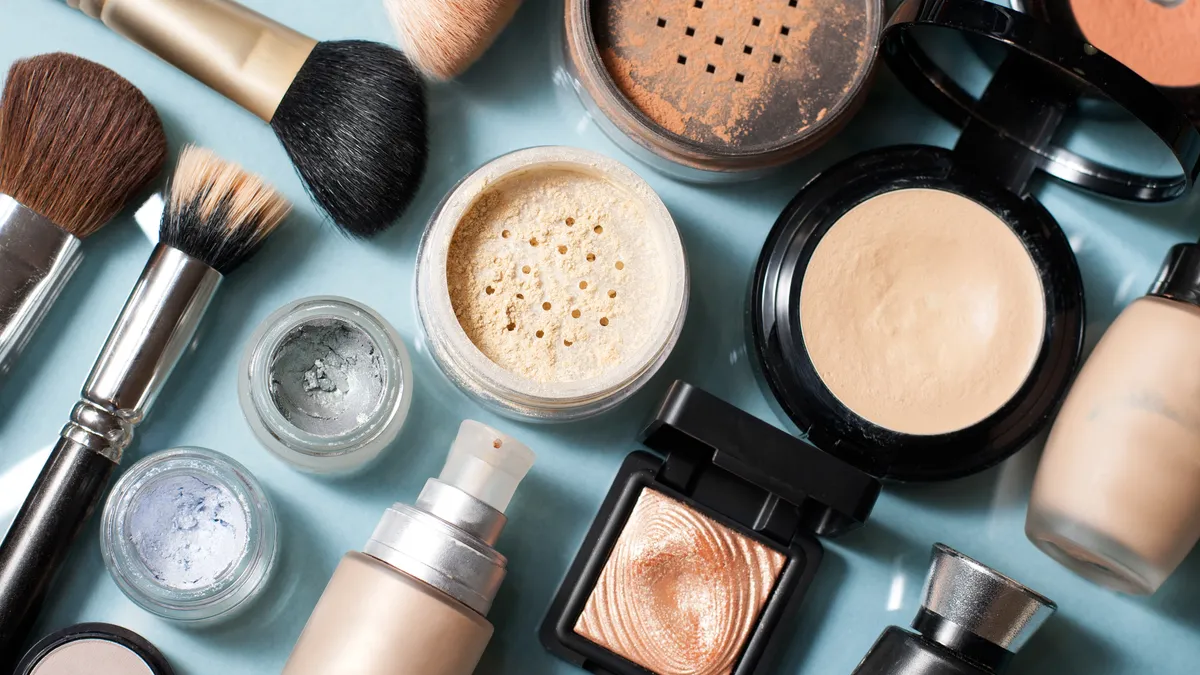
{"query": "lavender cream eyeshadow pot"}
(702, 547)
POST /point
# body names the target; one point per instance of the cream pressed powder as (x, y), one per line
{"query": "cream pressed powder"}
(551, 283)
(95, 657)
(680, 592)
(922, 311)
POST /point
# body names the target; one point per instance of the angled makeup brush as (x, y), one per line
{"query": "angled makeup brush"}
(216, 216)
(442, 37)
(76, 142)
(351, 114)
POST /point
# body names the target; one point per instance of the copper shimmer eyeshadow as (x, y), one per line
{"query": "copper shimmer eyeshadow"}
(680, 593)
(922, 311)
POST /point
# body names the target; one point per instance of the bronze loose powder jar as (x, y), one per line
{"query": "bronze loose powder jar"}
(721, 89)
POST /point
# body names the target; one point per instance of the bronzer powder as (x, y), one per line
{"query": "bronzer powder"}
(680, 592)
(1162, 44)
(922, 311)
(736, 76)
(554, 277)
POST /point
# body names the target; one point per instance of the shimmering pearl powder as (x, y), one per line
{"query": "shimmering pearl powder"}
(681, 592)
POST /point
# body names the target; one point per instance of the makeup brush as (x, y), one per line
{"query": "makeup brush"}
(350, 114)
(216, 216)
(444, 38)
(76, 142)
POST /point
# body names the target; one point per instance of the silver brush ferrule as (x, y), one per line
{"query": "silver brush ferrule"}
(446, 541)
(37, 258)
(156, 326)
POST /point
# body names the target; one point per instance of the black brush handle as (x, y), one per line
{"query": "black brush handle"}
(57, 508)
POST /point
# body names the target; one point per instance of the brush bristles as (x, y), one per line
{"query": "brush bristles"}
(444, 38)
(217, 212)
(77, 141)
(353, 123)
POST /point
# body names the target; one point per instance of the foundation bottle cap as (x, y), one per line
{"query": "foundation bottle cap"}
(1179, 278)
(976, 611)
(486, 464)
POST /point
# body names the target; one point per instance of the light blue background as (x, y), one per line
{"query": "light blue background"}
(508, 101)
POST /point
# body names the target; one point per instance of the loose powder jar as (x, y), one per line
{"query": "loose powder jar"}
(188, 534)
(696, 557)
(94, 649)
(720, 89)
(915, 311)
(551, 284)
(326, 384)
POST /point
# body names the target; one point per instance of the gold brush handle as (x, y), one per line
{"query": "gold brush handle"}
(247, 57)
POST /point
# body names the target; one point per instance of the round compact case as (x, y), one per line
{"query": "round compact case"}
(1160, 39)
(916, 311)
(713, 90)
(95, 649)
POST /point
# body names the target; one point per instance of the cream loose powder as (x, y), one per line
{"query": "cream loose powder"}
(922, 311)
(553, 276)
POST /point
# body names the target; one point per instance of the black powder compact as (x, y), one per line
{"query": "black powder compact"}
(95, 649)
(916, 311)
(1165, 50)
(713, 535)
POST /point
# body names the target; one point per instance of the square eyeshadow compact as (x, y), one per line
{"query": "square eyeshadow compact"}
(701, 548)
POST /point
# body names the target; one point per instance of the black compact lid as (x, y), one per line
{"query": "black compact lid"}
(833, 496)
(1059, 13)
(135, 643)
(1044, 73)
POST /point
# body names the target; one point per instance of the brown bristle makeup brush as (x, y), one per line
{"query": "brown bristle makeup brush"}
(351, 114)
(444, 37)
(76, 142)
(215, 217)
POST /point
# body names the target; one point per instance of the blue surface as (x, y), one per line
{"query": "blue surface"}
(869, 580)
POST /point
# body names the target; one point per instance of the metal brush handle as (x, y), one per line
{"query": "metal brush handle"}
(243, 55)
(37, 258)
(156, 326)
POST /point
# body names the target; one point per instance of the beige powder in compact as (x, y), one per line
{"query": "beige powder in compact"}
(555, 276)
(922, 311)
(94, 657)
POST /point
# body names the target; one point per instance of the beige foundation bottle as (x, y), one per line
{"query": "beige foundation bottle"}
(415, 601)
(1117, 494)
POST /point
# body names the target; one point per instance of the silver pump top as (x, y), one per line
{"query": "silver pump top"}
(446, 538)
(978, 599)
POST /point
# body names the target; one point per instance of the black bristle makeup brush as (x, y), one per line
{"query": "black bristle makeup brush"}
(351, 114)
(77, 141)
(216, 216)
